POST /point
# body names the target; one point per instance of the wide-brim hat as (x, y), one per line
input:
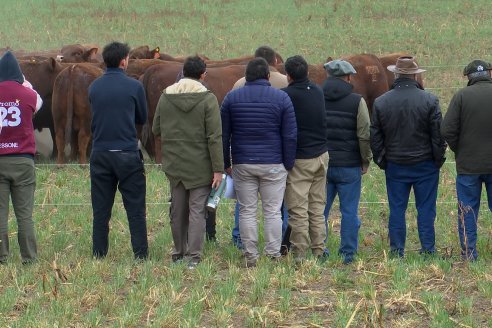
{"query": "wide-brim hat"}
(405, 65)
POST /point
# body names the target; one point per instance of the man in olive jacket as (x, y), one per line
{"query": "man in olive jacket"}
(188, 120)
(466, 128)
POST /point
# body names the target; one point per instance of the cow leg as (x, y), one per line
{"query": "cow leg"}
(60, 143)
(53, 139)
(84, 138)
(74, 146)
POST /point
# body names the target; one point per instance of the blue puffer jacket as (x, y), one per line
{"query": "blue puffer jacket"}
(258, 126)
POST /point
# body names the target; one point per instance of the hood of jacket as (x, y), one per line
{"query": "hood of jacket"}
(9, 69)
(186, 93)
(335, 88)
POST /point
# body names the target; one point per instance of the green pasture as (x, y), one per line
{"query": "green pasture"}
(67, 288)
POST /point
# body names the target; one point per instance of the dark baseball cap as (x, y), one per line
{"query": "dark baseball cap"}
(477, 68)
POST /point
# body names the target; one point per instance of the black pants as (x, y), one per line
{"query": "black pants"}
(210, 226)
(125, 170)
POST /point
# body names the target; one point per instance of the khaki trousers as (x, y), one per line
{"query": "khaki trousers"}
(18, 180)
(188, 220)
(305, 196)
(269, 181)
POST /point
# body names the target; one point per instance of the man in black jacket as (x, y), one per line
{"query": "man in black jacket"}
(349, 149)
(466, 128)
(407, 144)
(305, 192)
(117, 104)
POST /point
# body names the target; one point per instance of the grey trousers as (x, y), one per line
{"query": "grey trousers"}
(268, 180)
(188, 220)
(18, 180)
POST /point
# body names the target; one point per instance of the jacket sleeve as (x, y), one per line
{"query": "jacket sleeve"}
(377, 138)
(438, 143)
(225, 115)
(288, 133)
(156, 125)
(213, 130)
(140, 105)
(450, 129)
(363, 133)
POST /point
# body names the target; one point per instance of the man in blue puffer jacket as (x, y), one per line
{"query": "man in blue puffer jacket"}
(259, 138)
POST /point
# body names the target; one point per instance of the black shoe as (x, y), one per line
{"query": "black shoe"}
(284, 250)
(211, 238)
(176, 258)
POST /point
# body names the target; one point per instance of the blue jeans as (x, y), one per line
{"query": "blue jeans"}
(346, 182)
(424, 178)
(469, 191)
(236, 237)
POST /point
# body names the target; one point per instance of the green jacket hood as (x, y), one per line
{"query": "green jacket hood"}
(186, 94)
(9, 69)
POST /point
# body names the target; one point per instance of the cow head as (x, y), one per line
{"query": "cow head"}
(77, 53)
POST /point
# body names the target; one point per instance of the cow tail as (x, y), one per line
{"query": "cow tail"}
(69, 123)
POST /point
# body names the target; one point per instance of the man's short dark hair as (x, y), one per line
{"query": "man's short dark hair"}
(266, 53)
(114, 52)
(296, 67)
(257, 69)
(194, 67)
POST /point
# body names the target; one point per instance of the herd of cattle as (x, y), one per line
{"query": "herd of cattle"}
(62, 77)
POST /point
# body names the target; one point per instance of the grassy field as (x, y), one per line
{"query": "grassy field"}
(67, 288)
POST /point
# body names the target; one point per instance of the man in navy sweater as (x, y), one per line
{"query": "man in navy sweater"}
(117, 104)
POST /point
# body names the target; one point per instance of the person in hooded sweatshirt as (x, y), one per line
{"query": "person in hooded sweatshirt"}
(349, 150)
(18, 104)
(187, 119)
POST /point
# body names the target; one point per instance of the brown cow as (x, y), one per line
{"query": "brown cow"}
(71, 109)
(78, 53)
(136, 67)
(219, 80)
(144, 52)
(42, 75)
(390, 59)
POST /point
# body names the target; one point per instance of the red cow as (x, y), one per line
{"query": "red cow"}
(42, 75)
(71, 109)
(144, 52)
(78, 53)
(390, 59)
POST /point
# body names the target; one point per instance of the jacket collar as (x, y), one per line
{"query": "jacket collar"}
(259, 82)
(115, 70)
(404, 82)
(479, 79)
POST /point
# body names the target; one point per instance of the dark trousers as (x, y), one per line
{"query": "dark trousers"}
(123, 170)
(469, 191)
(210, 225)
(423, 177)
